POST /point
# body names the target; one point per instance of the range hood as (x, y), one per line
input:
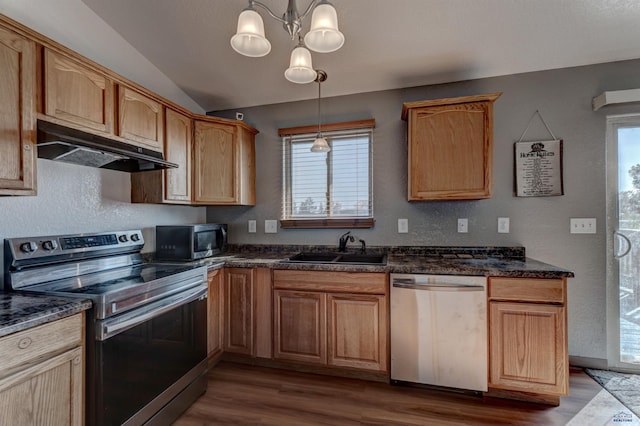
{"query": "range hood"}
(61, 143)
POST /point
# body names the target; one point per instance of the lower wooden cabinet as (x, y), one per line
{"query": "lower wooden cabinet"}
(247, 311)
(528, 336)
(357, 331)
(300, 326)
(215, 313)
(42, 376)
(315, 323)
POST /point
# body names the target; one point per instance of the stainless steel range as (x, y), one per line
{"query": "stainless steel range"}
(146, 333)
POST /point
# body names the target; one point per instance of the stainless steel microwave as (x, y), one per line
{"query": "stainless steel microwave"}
(190, 242)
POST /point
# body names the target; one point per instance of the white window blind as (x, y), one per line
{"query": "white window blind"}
(333, 185)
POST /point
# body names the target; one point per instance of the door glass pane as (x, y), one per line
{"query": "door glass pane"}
(629, 227)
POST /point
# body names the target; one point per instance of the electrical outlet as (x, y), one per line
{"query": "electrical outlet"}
(503, 225)
(270, 226)
(403, 226)
(463, 225)
(252, 226)
(583, 225)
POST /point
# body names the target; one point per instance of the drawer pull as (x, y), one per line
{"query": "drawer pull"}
(25, 342)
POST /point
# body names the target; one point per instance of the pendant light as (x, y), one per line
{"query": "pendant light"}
(323, 36)
(320, 144)
(300, 66)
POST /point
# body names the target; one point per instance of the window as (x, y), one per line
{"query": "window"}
(328, 190)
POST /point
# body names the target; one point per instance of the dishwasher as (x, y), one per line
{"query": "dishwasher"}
(439, 331)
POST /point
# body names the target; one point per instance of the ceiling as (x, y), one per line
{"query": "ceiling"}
(389, 44)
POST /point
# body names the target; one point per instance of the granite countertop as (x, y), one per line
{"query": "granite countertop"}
(485, 261)
(20, 311)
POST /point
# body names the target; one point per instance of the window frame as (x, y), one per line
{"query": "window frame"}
(324, 222)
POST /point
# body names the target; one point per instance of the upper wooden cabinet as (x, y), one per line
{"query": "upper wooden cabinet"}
(140, 119)
(17, 114)
(77, 94)
(172, 186)
(450, 148)
(224, 164)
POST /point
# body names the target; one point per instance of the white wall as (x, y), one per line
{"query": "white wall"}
(540, 224)
(74, 25)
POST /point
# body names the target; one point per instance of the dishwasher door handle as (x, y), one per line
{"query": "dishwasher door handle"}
(410, 284)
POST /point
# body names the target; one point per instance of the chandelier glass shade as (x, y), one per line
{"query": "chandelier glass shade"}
(323, 36)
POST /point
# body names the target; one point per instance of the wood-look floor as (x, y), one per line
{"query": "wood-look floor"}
(249, 395)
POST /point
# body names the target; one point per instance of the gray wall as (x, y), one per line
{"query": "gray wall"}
(540, 224)
(74, 199)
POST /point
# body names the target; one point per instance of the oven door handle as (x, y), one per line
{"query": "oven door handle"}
(111, 327)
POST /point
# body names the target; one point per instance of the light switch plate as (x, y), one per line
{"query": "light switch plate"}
(270, 226)
(463, 225)
(403, 226)
(252, 226)
(503, 225)
(583, 225)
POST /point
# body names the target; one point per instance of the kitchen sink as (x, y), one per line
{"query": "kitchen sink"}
(349, 258)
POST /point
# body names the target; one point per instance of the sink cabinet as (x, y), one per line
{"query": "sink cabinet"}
(528, 338)
(17, 114)
(335, 319)
(450, 147)
(42, 375)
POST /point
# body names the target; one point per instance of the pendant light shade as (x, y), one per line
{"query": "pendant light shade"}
(249, 39)
(324, 36)
(300, 67)
(320, 145)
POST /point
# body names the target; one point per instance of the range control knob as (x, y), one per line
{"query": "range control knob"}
(28, 247)
(135, 237)
(50, 245)
(123, 238)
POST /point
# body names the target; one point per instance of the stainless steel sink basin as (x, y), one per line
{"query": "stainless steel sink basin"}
(348, 258)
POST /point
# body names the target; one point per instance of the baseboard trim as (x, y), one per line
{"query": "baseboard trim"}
(586, 362)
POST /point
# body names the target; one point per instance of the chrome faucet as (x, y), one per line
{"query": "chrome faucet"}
(344, 240)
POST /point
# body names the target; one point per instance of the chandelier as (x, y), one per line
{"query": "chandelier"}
(322, 37)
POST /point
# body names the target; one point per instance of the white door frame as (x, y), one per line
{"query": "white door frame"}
(614, 122)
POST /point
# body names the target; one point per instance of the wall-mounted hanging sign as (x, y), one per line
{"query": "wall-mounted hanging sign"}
(538, 165)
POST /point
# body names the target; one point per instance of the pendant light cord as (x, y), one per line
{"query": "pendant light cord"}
(319, 109)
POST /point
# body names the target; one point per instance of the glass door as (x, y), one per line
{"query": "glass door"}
(623, 242)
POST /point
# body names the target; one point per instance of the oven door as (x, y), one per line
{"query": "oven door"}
(143, 359)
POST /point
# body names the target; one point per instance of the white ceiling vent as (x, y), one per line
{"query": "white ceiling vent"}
(616, 97)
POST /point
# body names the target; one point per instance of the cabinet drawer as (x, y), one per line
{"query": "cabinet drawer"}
(528, 290)
(336, 282)
(28, 345)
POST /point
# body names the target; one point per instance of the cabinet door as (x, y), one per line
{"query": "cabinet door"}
(17, 114)
(357, 331)
(140, 119)
(77, 94)
(238, 310)
(170, 186)
(528, 348)
(48, 393)
(300, 326)
(215, 311)
(215, 164)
